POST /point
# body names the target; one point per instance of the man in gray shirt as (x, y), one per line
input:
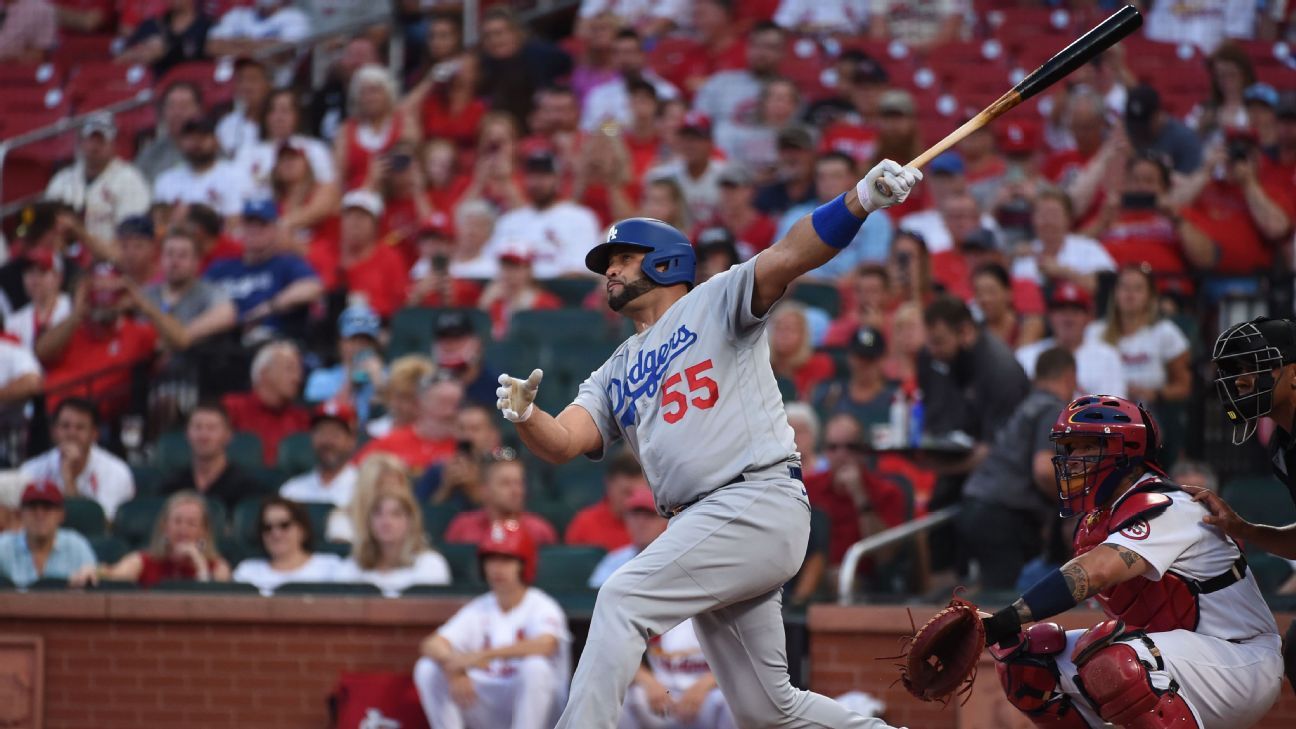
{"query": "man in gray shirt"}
(200, 306)
(1008, 499)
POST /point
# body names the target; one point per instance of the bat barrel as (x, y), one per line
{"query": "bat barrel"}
(1106, 34)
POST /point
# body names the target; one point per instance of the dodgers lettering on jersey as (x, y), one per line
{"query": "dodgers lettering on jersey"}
(693, 395)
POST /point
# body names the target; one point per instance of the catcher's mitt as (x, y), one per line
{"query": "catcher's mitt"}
(941, 657)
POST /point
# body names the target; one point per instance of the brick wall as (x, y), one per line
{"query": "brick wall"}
(845, 642)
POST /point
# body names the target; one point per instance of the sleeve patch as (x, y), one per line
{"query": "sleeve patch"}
(1138, 530)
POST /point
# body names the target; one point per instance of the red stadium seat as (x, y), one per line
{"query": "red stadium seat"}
(24, 178)
(74, 49)
(30, 75)
(27, 99)
(18, 122)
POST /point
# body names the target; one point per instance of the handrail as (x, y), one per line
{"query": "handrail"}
(882, 540)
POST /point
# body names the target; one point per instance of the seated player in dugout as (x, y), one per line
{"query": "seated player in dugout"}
(1189, 641)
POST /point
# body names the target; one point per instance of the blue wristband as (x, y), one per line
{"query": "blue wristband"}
(1048, 597)
(836, 225)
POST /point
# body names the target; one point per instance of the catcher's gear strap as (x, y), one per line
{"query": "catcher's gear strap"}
(1119, 685)
(1029, 675)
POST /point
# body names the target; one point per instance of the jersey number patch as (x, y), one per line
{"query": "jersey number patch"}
(705, 391)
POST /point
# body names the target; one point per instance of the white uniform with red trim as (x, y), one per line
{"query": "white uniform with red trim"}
(517, 693)
(677, 662)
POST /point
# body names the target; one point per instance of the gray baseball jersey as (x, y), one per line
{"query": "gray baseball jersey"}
(694, 395)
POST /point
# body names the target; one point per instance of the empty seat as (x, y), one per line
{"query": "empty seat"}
(566, 568)
(246, 450)
(296, 456)
(85, 516)
(108, 549)
(135, 519)
(463, 563)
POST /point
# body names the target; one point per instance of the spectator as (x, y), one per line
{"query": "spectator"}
(985, 164)
(41, 549)
(795, 173)
(595, 35)
(329, 103)
(183, 547)
(202, 177)
(908, 338)
(279, 133)
(898, 137)
(406, 202)
(792, 353)
(728, 95)
(21, 379)
(736, 212)
(805, 435)
(1057, 254)
(1152, 128)
(716, 253)
(1231, 74)
(432, 281)
(246, 31)
(514, 67)
(858, 502)
(241, 127)
(866, 302)
(103, 187)
(504, 658)
(390, 549)
(719, 44)
(663, 199)
(41, 229)
(1010, 496)
(356, 264)
(1084, 116)
(1262, 103)
(1097, 364)
(445, 100)
(515, 290)
(815, 17)
(208, 230)
(76, 465)
(287, 540)
(47, 306)
(458, 480)
(642, 524)
(430, 438)
(555, 123)
(333, 439)
(503, 499)
(270, 408)
(200, 307)
(920, 26)
(558, 231)
(359, 374)
(835, 175)
(992, 291)
(137, 250)
(375, 125)
(606, 524)
(29, 31)
(265, 285)
(1239, 216)
(649, 18)
(401, 396)
(697, 171)
(847, 119)
(307, 208)
(946, 175)
(211, 473)
(494, 178)
(170, 39)
(1206, 25)
(182, 102)
(609, 103)
(1153, 350)
(863, 391)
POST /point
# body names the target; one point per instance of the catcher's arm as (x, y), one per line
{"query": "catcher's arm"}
(1083, 577)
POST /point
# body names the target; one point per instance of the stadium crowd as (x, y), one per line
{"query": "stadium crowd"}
(256, 336)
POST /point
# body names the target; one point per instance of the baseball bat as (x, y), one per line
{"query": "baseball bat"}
(1083, 50)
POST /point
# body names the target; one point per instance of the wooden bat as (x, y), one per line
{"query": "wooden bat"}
(1083, 50)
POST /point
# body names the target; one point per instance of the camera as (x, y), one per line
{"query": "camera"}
(1239, 150)
(1138, 201)
(440, 264)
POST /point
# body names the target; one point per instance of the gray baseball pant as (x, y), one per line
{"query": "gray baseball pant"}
(723, 562)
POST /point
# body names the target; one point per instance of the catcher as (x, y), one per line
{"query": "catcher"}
(1189, 642)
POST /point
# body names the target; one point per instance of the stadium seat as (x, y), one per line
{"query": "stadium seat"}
(566, 568)
(818, 295)
(85, 516)
(787, 388)
(108, 549)
(512, 356)
(557, 513)
(148, 480)
(356, 589)
(412, 329)
(1270, 571)
(135, 519)
(296, 456)
(436, 517)
(268, 480)
(206, 588)
(439, 591)
(218, 515)
(558, 327)
(246, 528)
(319, 516)
(463, 563)
(338, 549)
(235, 551)
(572, 291)
(172, 452)
(245, 449)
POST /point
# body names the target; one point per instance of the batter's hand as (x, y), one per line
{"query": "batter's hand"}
(886, 184)
(516, 397)
(1221, 514)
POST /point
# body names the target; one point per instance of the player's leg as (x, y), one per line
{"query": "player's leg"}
(496, 705)
(1030, 676)
(537, 692)
(746, 648)
(434, 694)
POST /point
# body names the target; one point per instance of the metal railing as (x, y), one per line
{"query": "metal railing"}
(895, 535)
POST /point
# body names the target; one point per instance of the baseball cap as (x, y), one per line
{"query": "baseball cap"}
(734, 174)
(947, 163)
(1261, 93)
(438, 224)
(697, 123)
(44, 259)
(1142, 104)
(336, 411)
(518, 253)
(868, 342)
(641, 499)
(796, 136)
(896, 101)
(359, 320)
(453, 324)
(42, 492)
(365, 200)
(542, 161)
(865, 70)
(140, 225)
(100, 124)
(1018, 137)
(1069, 294)
(199, 125)
(264, 211)
(38, 219)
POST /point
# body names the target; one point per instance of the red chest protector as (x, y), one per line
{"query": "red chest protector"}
(1154, 607)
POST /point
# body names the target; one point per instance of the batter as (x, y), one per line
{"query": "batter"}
(693, 395)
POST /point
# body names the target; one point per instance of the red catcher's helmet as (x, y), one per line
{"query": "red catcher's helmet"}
(1129, 440)
(509, 539)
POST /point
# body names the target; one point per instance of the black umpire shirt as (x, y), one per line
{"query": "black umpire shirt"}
(1282, 454)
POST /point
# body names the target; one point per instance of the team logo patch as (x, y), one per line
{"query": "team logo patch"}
(611, 234)
(1138, 530)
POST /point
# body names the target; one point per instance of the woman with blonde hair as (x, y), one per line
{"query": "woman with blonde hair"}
(1153, 350)
(400, 395)
(792, 350)
(183, 547)
(377, 123)
(390, 549)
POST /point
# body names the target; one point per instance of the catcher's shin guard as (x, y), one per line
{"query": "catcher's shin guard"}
(1029, 676)
(1118, 684)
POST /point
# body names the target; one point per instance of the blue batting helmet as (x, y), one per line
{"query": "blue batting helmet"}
(664, 245)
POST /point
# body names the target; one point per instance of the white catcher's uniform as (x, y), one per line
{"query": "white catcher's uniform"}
(1229, 670)
(676, 661)
(523, 693)
(695, 399)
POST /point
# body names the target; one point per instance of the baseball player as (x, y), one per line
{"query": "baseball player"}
(1190, 641)
(1256, 377)
(693, 395)
(676, 690)
(503, 659)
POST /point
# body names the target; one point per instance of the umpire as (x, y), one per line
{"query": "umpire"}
(1255, 365)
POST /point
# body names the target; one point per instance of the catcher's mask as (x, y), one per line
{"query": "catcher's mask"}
(1100, 440)
(1248, 361)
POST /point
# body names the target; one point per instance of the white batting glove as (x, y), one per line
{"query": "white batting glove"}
(517, 397)
(886, 184)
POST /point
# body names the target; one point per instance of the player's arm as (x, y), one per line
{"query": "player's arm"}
(553, 439)
(816, 238)
(1083, 577)
(541, 645)
(1280, 541)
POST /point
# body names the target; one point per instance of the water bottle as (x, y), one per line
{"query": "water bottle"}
(899, 419)
(916, 420)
